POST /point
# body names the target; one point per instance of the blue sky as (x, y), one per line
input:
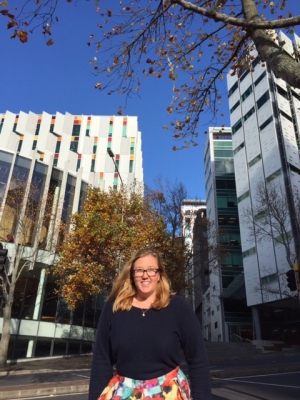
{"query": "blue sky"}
(37, 78)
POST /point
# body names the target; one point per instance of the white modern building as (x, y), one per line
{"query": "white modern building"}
(265, 121)
(62, 153)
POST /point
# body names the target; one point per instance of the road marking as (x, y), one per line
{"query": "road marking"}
(262, 383)
(256, 376)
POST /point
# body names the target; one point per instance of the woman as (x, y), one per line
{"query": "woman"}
(142, 330)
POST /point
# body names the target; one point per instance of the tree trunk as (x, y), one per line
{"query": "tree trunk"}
(280, 62)
(4, 342)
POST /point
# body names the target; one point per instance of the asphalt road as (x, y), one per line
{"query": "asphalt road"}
(262, 387)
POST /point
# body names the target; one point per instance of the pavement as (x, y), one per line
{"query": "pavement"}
(67, 375)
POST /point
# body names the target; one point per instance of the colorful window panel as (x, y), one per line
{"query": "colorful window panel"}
(111, 127)
(88, 126)
(93, 165)
(42, 155)
(131, 163)
(58, 143)
(78, 162)
(52, 123)
(95, 145)
(101, 176)
(115, 185)
(109, 142)
(20, 143)
(38, 126)
(15, 125)
(124, 130)
(74, 144)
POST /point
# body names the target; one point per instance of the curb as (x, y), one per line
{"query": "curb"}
(257, 370)
(47, 389)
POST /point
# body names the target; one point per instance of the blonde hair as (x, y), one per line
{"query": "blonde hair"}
(124, 290)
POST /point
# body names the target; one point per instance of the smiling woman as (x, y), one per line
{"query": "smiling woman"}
(146, 352)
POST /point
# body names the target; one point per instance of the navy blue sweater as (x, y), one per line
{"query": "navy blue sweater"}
(148, 347)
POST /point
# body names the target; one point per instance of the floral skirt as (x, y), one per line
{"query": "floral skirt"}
(172, 386)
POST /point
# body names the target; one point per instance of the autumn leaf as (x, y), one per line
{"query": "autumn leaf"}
(50, 42)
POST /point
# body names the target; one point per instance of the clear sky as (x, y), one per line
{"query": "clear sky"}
(37, 78)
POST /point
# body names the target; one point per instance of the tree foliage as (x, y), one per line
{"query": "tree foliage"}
(109, 228)
(270, 218)
(167, 198)
(193, 44)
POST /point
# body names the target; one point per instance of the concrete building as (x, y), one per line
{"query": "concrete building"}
(190, 210)
(225, 314)
(265, 120)
(64, 154)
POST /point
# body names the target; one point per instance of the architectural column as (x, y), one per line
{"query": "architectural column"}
(256, 323)
(37, 309)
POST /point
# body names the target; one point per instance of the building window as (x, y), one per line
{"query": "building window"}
(74, 146)
(285, 115)
(76, 130)
(243, 196)
(261, 101)
(244, 75)
(254, 161)
(216, 325)
(266, 123)
(235, 106)
(93, 165)
(260, 215)
(131, 166)
(249, 113)
(260, 78)
(268, 279)
(240, 147)
(247, 93)
(249, 252)
(237, 126)
(274, 175)
(232, 89)
(282, 92)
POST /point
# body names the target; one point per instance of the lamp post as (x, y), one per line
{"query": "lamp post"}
(112, 156)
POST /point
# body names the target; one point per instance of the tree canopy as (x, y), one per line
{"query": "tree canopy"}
(110, 227)
(194, 44)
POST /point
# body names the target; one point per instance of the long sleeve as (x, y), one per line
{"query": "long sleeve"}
(102, 365)
(195, 355)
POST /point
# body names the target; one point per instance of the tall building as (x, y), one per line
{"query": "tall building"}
(190, 210)
(225, 314)
(63, 154)
(265, 120)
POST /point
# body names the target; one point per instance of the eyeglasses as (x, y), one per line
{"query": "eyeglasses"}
(150, 272)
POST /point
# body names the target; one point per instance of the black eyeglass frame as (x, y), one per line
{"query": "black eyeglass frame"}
(145, 270)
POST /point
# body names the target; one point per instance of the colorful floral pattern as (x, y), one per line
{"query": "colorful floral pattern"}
(172, 386)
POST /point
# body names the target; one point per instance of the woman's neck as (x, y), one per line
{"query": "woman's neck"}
(143, 302)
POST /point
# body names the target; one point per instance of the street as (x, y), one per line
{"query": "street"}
(263, 387)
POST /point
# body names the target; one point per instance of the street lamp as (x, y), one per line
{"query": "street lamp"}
(112, 156)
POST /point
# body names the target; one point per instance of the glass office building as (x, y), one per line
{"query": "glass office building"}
(225, 314)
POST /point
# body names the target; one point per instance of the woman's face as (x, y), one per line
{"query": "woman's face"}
(145, 284)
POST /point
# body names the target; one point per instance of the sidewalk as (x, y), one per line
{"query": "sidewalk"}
(66, 375)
